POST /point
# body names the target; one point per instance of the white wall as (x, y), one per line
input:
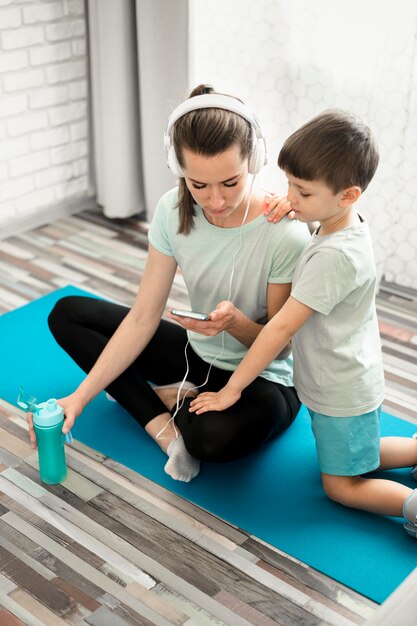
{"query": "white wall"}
(44, 151)
(290, 60)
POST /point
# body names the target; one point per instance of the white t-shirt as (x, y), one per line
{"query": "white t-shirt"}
(338, 368)
(268, 254)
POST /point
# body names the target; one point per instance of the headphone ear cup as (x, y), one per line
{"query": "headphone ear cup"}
(257, 157)
(172, 162)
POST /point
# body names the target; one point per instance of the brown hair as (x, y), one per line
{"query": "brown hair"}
(208, 132)
(336, 147)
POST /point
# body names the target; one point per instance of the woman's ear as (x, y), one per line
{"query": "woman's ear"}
(350, 195)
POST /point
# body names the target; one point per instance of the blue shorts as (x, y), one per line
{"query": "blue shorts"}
(347, 446)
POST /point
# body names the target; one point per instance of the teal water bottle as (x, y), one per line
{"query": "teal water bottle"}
(48, 419)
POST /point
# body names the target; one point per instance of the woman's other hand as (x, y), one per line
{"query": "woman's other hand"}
(32, 436)
(72, 408)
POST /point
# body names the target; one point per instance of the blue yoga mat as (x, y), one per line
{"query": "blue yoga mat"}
(274, 494)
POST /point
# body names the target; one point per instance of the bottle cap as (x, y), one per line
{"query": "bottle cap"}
(30, 404)
(48, 413)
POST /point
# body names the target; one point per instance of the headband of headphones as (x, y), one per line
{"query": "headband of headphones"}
(258, 156)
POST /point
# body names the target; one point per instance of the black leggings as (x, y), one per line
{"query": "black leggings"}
(82, 326)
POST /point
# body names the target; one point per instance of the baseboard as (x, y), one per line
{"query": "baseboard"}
(46, 216)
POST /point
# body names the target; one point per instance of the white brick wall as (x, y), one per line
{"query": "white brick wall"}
(44, 160)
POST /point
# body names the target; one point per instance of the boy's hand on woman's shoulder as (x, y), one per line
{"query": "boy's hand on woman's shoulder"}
(277, 207)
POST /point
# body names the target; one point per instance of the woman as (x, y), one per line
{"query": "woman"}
(237, 266)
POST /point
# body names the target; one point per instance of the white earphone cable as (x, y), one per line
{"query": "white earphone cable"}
(229, 296)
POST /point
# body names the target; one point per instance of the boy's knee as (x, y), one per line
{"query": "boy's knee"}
(337, 488)
(330, 487)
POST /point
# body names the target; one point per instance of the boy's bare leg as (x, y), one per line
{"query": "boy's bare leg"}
(376, 495)
(385, 497)
(398, 452)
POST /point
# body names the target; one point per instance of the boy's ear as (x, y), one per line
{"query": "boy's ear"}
(350, 195)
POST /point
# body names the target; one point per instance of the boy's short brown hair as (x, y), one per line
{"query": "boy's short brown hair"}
(336, 147)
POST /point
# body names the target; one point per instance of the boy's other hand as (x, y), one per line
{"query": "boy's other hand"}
(214, 401)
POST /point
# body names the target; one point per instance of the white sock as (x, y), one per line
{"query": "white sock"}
(181, 465)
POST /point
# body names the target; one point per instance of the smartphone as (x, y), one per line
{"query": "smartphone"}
(203, 317)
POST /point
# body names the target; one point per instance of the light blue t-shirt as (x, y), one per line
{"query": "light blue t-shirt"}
(338, 369)
(268, 254)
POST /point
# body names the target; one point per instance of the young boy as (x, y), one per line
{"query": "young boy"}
(331, 319)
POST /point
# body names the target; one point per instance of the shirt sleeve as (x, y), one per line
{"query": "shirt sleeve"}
(290, 248)
(326, 278)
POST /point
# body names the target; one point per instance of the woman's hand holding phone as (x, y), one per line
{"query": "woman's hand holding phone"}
(192, 315)
(210, 324)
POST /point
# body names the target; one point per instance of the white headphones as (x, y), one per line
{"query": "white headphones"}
(258, 156)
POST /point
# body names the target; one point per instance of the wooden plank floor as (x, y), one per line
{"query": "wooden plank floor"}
(111, 548)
